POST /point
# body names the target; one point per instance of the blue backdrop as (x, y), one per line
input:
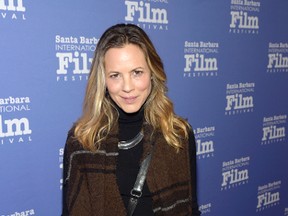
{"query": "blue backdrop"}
(227, 68)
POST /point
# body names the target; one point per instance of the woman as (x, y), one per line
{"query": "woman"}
(127, 118)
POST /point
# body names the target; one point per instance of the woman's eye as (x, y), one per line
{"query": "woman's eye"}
(138, 72)
(114, 75)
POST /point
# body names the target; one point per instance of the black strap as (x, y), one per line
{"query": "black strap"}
(136, 192)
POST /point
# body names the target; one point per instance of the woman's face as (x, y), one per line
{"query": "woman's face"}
(127, 76)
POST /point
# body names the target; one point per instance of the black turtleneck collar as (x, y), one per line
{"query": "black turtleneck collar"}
(130, 117)
(129, 123)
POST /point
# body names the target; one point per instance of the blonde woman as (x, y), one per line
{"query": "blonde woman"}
(127, 118)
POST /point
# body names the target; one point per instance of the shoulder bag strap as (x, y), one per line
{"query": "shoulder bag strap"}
(136, 192)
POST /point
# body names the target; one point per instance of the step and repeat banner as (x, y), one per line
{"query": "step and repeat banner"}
(227, 68)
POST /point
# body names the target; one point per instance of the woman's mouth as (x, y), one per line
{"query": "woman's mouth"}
(129, 100)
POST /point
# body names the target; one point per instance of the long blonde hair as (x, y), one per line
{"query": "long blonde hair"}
(98, 112)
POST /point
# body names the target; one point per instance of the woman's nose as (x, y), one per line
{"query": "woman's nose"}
(127, 84)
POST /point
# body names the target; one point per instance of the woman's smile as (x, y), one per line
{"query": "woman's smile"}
(127, 76)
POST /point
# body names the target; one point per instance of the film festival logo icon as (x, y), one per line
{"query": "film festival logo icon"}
(27, 212)
(277, 57)
(205, 208)
(204, 142)
(74, 55)
(61, 154)
(12, 9)
(235, 173)
(14, 130)
(239, 98)
(268, 196)
(201, 59)
(146, 16)
(244, 17)
(274, 129)
(286, 212)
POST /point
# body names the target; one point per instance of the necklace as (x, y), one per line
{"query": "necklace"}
(128, 144)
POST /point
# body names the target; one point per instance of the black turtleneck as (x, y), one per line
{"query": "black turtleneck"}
(128, 161)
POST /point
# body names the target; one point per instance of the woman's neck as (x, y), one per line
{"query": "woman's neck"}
(129, 123)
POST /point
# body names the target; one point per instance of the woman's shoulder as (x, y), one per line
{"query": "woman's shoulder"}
(72, 144)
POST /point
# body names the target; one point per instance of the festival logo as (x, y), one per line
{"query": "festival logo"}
(201, 59)
(204, 141)
(21, 213)
(14, 129)
(268, 196)
(244, 16)
(274, 129)
(61, 154)
(277, 58)
(235, 173)
(239, 98)
(12, 10)
(74, 56)
(286, 212)
(151, 14)
(205, 208)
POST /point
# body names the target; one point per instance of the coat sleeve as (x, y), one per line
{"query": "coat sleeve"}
(193, 170)
(70, 146)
